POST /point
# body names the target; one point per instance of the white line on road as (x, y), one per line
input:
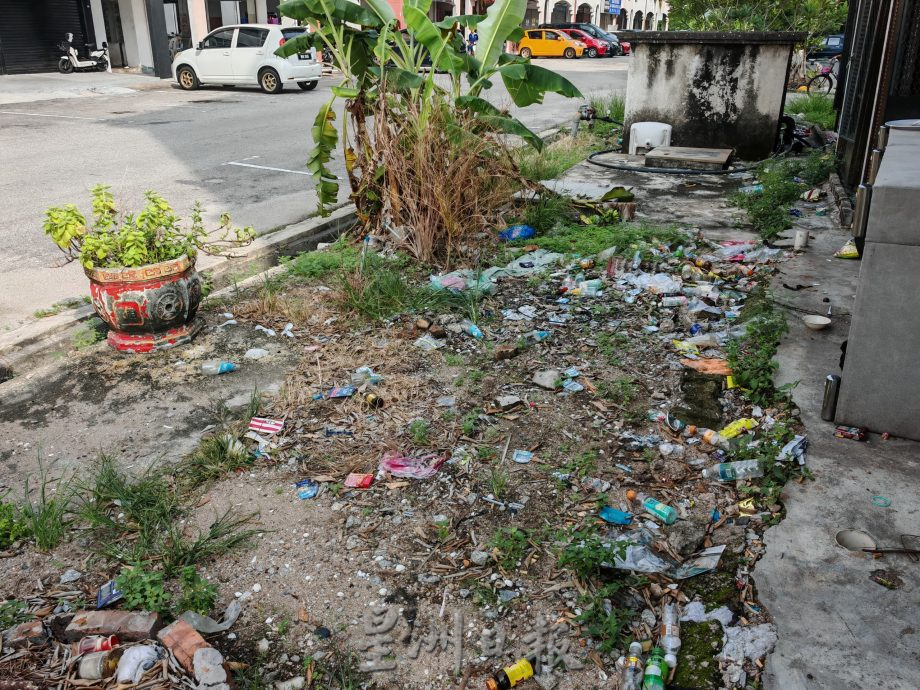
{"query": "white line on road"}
(265, 167)
(66, 117)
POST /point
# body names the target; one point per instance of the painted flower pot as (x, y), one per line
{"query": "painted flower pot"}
(150, 307)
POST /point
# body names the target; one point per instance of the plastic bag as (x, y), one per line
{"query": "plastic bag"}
(516, 232)
(135, 661)
(399, 465)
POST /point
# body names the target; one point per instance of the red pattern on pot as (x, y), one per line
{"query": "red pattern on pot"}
(149, 307)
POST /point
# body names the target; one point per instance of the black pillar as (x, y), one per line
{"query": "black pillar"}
(159, 42)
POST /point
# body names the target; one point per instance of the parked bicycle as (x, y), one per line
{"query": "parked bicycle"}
(818, 78)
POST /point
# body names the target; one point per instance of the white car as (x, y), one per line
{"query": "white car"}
(245, 54)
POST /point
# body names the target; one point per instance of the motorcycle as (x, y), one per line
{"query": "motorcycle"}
(98, 59)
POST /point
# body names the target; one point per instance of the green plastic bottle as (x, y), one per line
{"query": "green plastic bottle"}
(655, 670)
(660, 510)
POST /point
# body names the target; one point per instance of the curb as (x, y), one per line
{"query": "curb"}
(36, 344)
(844, 205)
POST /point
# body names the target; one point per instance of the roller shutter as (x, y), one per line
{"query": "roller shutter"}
(30, 31)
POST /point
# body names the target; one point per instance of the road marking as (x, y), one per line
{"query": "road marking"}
(265, 167)
(66, 117)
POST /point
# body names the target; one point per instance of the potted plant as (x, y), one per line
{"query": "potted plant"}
(141, 267)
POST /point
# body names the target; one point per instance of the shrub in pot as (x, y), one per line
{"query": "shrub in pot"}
(141, 267)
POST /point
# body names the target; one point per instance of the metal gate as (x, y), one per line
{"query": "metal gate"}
(30, 31)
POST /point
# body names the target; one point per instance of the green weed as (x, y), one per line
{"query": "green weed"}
(816, 109)
(554, 159)
(381, 291)
(511, 544)
(214, 457)
(47, 517)
(469, 422)
(602, 619)
(621, 390)
(582, 465)
(454, 360)
(751, 357)
(590, 240)
(12, 527)
(339, 257)
(419, 429)
(88, 335)
(14, 612)
(587, 551)
(498, 482)
(769, 210)
(544, 213)
(58, 307)
(139, 520)
(196, 593)
(143, 590)
(612, 105)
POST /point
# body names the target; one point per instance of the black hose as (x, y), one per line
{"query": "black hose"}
(666, 171)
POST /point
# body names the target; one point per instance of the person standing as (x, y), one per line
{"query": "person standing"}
(471, 41)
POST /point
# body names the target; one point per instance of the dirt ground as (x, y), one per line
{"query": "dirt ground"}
(429, 549)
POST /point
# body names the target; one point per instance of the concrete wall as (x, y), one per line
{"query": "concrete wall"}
(880, 387)
(717, 90)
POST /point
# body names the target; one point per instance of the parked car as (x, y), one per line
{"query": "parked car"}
(546, 43)
(831, 46)
(245, 54)
(593, 47)
(626, 47)
(592, 30)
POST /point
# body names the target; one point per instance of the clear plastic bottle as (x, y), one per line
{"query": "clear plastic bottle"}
(713, 438)
(669, 634)
(731, 471)
(660, 510)
(637, 260)
(471, 328)
(213, 367)
(630, 667)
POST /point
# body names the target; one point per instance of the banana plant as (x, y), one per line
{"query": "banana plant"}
(379, 61)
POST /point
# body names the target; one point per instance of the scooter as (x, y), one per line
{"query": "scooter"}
(70, 60)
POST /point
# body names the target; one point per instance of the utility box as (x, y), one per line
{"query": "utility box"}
(716, 89)
(880, 385)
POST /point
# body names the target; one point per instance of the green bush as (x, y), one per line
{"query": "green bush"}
(12, 527)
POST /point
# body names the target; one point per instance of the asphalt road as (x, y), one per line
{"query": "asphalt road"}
(236, 150)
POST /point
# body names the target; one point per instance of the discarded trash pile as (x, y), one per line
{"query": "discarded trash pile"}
(555, 447)
(571, 445)
(64, 645)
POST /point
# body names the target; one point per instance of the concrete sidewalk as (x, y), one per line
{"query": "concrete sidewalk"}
(29, 88)
(837, 628)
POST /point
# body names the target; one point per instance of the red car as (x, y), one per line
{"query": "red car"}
(626, 47)
(593, 47)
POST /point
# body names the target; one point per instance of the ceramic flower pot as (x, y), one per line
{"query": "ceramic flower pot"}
(150, 307)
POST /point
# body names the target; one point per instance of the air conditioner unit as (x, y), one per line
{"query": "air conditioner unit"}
(648, 135)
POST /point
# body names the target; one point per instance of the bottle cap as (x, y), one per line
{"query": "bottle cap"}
(670, 660)
(706, 473)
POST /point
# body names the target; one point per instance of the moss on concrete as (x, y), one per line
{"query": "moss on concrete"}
(696, 667)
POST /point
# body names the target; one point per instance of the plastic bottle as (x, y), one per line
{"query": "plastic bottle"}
(660, 510)
(654, 671)
(536, 336)
(713, 439)
(213, 367)
(730, 471)
(471, 328)
(631, 668)
(590, 288)
(674, 301)
(508, 677)
(637, 260)
(669, 634)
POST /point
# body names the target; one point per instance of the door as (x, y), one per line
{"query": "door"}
(248, 54)
(213, 60)
(554, 44)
